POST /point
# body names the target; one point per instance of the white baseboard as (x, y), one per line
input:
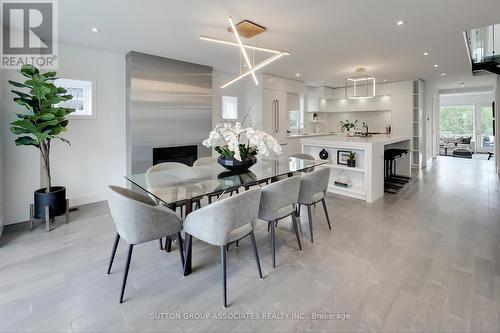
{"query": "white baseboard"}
(22, 215)
(87, 199)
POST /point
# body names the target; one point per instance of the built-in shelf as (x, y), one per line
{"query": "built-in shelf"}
(351, 190)
(342, 167)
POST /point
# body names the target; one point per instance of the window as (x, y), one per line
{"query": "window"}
(456, 120)
(82, 101)
(229, 107)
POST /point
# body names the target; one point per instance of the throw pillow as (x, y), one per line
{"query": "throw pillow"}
(466, 140)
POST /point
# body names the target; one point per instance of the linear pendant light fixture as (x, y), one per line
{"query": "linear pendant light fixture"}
(365, 80)
(243, 51)
(251, 68)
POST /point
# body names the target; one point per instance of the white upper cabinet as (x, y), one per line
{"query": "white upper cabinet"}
(324, 99)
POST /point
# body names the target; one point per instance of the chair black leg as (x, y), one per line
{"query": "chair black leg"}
(296, 229)
(326, 213)
(113, 252)
(161, 243)
(168, 244)
(189, 249)
(297, 210)
(125, 274)
(237, 243)
(273, 243)
(180, 248)
(198, 205)
(256, 253)
(309, 214)
(223, 265)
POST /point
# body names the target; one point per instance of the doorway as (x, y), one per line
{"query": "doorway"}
(485, 136)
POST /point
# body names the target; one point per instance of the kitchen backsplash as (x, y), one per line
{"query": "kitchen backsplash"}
(330, 121)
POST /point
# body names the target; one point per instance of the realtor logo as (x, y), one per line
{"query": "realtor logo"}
(29, 33)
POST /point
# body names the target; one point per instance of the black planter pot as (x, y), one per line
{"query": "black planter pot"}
(55, 200)
(351, 163)
(237, 166)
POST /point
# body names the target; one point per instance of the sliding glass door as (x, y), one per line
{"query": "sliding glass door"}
(485, 139)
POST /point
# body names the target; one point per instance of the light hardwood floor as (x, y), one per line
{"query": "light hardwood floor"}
(427, 259)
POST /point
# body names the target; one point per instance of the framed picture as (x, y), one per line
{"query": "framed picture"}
(342, 156)
(83, 101)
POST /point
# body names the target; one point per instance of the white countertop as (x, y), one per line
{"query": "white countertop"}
(307, 135)
(355, 141)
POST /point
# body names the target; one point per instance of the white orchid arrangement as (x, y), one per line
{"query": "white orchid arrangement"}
(258, 142)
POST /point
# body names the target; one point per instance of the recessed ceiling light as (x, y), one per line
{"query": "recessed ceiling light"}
(426, 53)
(245, 65)
(443, 74)
(95, 29)
(297, 75)
(385, 80)
(436, 66)
(400, 22)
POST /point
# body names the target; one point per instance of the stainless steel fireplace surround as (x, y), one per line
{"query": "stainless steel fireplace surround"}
(169, 103)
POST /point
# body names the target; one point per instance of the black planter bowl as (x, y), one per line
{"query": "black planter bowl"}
(55, 200)
(351, 163)
(237, 166)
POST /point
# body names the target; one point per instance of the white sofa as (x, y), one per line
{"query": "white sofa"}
(452, 142)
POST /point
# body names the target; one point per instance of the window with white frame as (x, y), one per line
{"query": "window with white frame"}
(229, 107)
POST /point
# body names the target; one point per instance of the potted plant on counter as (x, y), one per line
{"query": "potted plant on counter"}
(351, 159)
(348, 126)
(43, 122)
(238, 156)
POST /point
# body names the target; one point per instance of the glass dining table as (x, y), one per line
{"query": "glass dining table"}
(180, 185)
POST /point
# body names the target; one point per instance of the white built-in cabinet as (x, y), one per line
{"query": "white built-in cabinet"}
(325, 99)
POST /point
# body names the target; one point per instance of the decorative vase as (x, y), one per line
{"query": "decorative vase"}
(351, 163)
(323, 154)
(237, 166)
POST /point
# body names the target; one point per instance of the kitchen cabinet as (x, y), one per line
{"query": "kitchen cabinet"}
(274, 118)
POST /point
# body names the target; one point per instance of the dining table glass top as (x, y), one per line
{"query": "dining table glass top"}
(176, 183)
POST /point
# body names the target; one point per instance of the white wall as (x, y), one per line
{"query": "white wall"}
(96, 157)
(466, 99)
(21, 165)
(1, 150)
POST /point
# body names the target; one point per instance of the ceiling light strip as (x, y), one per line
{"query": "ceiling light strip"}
(257, 67)
(243, 51)
(220, 41)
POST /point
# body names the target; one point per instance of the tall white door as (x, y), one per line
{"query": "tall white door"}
(485, 139)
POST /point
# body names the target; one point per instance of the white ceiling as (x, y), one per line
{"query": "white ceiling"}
(327, 39)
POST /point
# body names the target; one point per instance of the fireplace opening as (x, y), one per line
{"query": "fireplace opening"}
(181, 154)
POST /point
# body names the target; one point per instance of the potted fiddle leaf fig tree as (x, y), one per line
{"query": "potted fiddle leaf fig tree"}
(43, 122)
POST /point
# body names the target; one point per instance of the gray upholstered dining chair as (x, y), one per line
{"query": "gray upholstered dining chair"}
(225, 222)
(313, 186)
(162, 175)
(138, 220)
(277, 202)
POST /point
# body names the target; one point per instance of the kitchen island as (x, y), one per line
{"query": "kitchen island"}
(366, 180)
